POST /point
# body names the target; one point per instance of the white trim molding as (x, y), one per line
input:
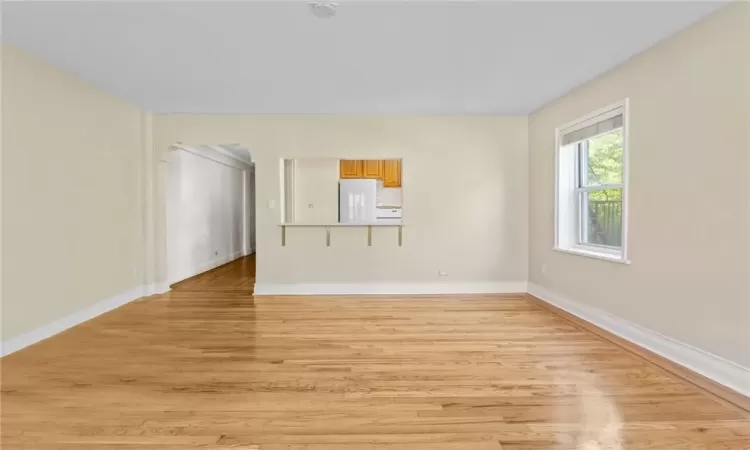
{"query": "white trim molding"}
(502, 287)
(216, 154)
(155, 289)
(581, 251)
(24, 340)
(711, 366)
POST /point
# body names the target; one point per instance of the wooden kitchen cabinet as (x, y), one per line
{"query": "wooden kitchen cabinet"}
(392, 173)
(350, 168)
(372, 168)
(388, 170)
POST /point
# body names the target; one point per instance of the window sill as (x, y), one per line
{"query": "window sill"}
(603, 255)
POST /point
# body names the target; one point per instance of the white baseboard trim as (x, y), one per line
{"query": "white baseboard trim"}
(714, 367)
(12, 345)
(216, 262)
(512, 287)
(155, 289)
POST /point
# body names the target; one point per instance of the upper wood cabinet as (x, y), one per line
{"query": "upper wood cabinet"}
(372, 168)
(388, 170)
(350, 168)
(392, 173)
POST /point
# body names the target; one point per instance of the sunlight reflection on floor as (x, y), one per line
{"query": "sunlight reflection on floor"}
(600, 418)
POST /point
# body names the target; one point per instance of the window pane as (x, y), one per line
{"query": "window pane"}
(604, 159)
(601, 217)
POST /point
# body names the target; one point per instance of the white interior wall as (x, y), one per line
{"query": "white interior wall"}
(287, 200)
(250, 210)
(390, 197)
(208, 197)
(316, 194)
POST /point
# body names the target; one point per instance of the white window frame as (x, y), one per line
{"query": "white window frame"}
(568, 215)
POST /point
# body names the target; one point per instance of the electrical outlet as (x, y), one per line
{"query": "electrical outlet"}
(442, 273)
(216, 253)
(310, 205)
(544, 269)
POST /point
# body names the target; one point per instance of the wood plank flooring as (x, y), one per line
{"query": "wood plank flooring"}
(239, 275)
(210, 367)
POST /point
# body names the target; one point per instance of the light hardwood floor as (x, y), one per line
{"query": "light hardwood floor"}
(208, 366)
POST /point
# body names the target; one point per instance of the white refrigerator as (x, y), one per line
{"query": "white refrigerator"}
(358, 200)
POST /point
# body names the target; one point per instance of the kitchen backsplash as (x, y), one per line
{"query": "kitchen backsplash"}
(389, 197)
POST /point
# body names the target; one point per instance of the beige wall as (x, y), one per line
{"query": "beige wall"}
(70, 194)
(317, 184)
(689, 190)
(465, 194)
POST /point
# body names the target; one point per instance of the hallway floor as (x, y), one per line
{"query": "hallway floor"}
(239, 276)
(208, 366)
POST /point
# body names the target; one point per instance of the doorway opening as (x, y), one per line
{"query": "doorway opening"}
(210, 200)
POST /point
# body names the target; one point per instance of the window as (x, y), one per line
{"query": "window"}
(591, 209)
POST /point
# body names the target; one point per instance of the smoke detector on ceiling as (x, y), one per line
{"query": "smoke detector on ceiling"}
(324, 10)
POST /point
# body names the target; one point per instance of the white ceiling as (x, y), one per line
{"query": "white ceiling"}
(372, 58)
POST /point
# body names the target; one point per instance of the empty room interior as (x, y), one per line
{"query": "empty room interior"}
(359, 225)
